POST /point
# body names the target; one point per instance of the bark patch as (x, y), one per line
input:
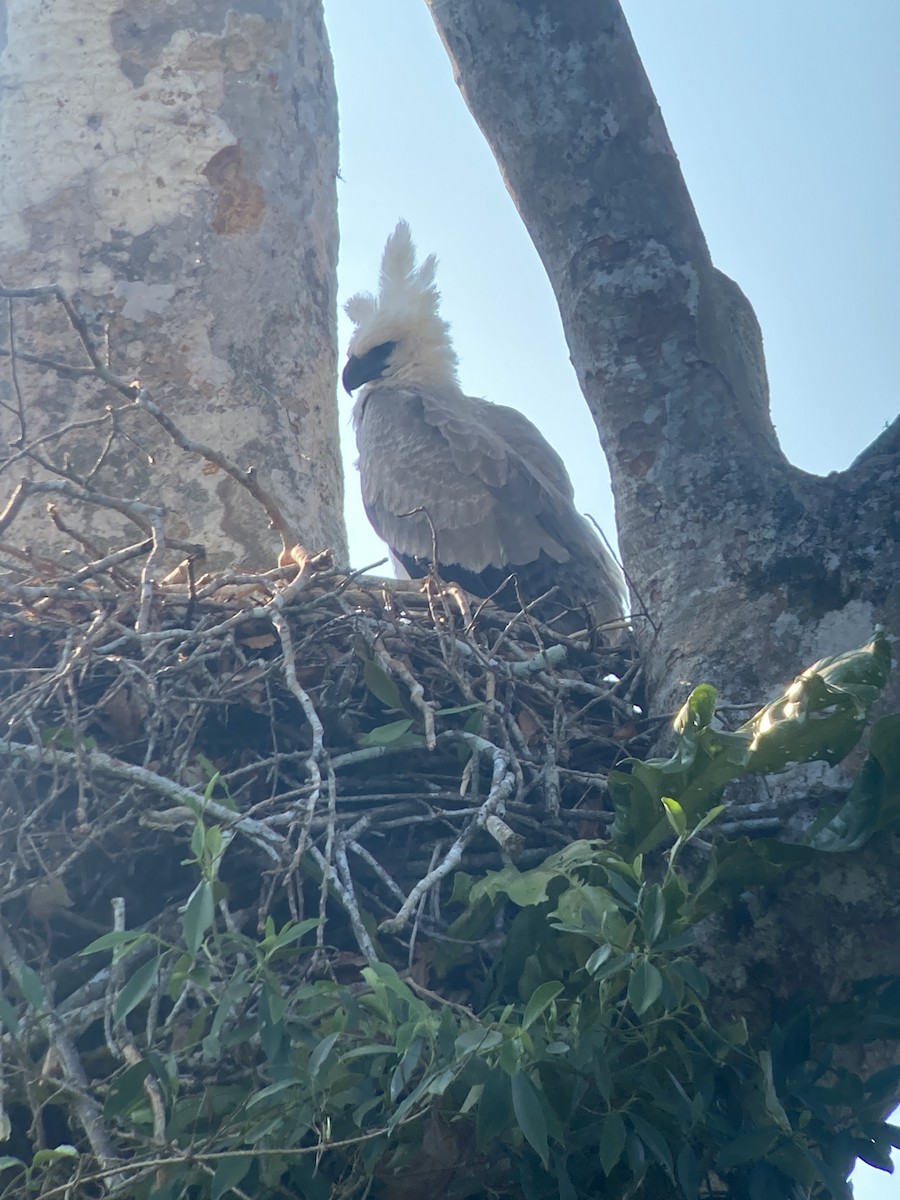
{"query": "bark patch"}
(240, 202)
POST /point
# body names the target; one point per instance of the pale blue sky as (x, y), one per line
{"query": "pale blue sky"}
(785, 115)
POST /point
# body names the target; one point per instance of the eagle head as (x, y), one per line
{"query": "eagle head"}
(399, 333)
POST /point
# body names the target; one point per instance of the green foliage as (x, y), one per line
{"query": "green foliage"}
(820, 716)
(585, 1061)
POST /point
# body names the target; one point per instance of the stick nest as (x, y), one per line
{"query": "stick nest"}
(357, 743)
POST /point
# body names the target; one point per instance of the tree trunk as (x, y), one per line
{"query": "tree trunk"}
(750, 569)
(172, 167)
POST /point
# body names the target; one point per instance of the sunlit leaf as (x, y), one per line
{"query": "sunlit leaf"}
(675, 813)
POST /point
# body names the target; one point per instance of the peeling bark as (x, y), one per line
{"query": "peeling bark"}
(750, 568)
(173, 167)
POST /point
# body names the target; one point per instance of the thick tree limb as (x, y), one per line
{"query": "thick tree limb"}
(749, 566)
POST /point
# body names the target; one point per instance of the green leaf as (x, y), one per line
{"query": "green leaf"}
(621, 962)
(565, 1187)
(711, 816)
(624, 889)
(697, 711)
(386, 735)
(116, 939)
(675, 814)
(773, 1104)
(126, 1089)
(541, 999)
(198, 916)
(137, 987)
(479, 1039)
(274, 1001)
(652, 913)
(873, 803)
(383, 973)
(495, 1112)
(7, 1161)
(369, 1050)
(585, 908)
(687, 1171)
(530, 1115)
(644, 987)
(510, 1056)
(31, 987)
(438, 1083)
(321, 1052)
(8, 1017)
(612, 1142)
(821, 714)
(45, 1156)
(406, 1069)
(654, 1141)
(381, 685)
(292, 932)
(637, 1159)
(692, 976)
(524, 888)
(228, 1173)
(198, 840)
(747, 1147)
(637, 808)
(215, 844)
(274, 1089)
(597, 959)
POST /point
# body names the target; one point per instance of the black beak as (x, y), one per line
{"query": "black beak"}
(367, 367)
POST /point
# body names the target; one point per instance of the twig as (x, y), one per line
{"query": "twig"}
(502, 785)
(255, 831)
(246, 478)
(87, 1109)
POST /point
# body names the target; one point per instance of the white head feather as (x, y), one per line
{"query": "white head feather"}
(405, 311)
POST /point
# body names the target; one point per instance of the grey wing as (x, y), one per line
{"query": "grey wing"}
(528, 441)
(430, 483)
(495, 491)
(593, 570)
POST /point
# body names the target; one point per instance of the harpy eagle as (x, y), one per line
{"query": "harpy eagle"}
(446, 475)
